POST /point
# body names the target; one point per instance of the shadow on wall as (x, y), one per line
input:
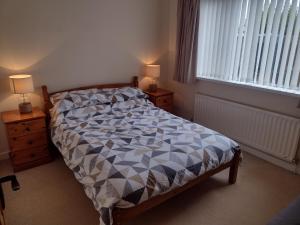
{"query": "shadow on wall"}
(67, 43)
(42, 75)
(45, 70)
(61, 65)
(24, 59)
(6, 97)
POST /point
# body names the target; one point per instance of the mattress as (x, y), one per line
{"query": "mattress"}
(126, 152)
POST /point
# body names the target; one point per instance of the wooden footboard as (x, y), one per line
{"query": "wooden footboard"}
(121, 215)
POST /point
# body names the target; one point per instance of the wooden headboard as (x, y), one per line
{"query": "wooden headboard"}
(47, 95)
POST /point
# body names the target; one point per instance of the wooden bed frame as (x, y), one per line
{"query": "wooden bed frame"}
(121, 215)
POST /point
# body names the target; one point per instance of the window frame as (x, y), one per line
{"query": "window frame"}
(294, 92)
(254, 87)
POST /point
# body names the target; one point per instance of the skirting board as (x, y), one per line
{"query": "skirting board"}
(4, 155)
(288, 166)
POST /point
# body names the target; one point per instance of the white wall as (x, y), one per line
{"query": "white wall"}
(70, 43)
(184, 94)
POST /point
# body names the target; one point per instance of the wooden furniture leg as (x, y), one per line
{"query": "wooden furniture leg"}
(233, 171)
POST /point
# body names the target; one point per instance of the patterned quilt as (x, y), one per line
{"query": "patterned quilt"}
(125, 152)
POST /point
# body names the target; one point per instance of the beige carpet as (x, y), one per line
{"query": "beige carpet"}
(50, 195)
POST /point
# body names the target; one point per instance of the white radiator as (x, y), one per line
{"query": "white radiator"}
(274, 134)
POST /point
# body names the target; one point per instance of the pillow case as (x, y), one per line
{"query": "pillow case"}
(108, 95)
(112, 95)
(68, 100)
(65, 101)
(82, 98)
(129, 93)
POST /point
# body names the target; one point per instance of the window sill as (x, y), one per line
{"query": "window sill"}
(291, 93)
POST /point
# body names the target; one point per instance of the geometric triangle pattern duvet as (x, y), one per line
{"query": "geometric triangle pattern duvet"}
(127, 152)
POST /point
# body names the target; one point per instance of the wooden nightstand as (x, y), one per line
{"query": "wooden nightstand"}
(162, 99)
(27, 138)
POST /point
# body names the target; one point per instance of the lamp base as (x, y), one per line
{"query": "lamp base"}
(25, 107)
(152, 88)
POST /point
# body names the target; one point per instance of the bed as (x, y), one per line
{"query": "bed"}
(128, 154)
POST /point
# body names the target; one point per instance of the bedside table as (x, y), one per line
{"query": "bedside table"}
(27, 138)
(161, 98)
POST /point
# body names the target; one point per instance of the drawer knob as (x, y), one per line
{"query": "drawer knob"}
(32, 155)
(27, 129)
(30, 142)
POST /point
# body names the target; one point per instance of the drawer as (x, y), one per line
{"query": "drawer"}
(26, 127)
(28, 141)
(29, 155)
(164, 100)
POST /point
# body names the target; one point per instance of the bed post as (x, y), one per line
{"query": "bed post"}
(234, 167)
(116, 217)
(135, 81)
(46, 101)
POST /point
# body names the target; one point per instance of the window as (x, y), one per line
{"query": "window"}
(252, 42)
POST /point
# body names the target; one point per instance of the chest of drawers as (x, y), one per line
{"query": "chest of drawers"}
(162, 98)
(27, 138)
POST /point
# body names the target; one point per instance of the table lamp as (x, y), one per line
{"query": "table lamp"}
(152, 71)
(22, 84)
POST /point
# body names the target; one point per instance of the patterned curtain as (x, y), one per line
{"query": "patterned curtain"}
(187, 40)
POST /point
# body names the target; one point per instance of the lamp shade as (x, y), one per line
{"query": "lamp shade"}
(152, 71)
(21, 84)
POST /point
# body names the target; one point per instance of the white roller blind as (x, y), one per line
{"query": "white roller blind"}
(254, 42)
